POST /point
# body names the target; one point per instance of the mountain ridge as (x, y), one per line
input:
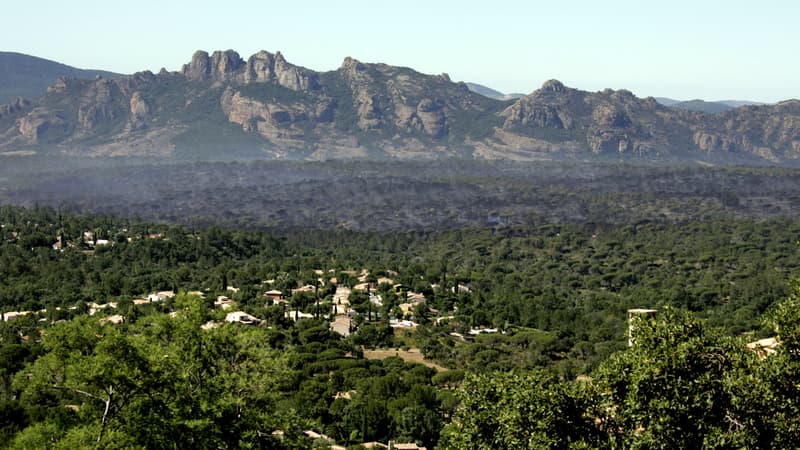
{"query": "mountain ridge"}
(706, 106)
(222, 105)
(29, 76)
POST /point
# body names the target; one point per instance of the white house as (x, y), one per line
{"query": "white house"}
(241, 317)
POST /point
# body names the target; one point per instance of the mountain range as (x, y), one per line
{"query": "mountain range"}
(222, 106)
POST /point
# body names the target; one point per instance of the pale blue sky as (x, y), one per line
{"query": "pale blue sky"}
(683, 49)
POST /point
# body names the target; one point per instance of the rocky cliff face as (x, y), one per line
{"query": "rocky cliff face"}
(220, 101)
(400, 98)
(35, 125)
(275, 119)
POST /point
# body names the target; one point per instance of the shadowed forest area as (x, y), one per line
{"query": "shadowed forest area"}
(399, 196)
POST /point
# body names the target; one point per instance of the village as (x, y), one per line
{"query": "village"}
(345, 299)
(342, 316)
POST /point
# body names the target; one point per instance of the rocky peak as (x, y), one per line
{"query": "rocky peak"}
(293, 77)
(227, 66)
(553, 86)
(547, 107)
(788, 106)
(144, 76)
(199, 68)
(352, 65)
(260, 67)
(366, 98)
(220, 66)
(224, 64)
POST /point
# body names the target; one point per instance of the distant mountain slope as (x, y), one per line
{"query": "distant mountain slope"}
(221, 106)
(705, 106)
(667, 101)
(738, 103)
(491, 93)
(28, 76)
(702, 106)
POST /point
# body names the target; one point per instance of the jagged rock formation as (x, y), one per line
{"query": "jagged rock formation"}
(228, 66)
(220, 104)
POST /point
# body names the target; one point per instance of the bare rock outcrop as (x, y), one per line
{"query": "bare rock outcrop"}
(220, 66)
(553, 86)
(266, 67)
(365, 98)
(260, 67)
(14, 107)
(543, 116)
(228, 66)
(199, 68)
(224, 65)
(617, 141)
(140, 110)
(367, 110)
(39, 123)
(427, 116)
(612, 129)
(59, 86)
(97, 106)
(610, 116)
(432, 118)
(270, 120)
(709, 142)
(293, 77)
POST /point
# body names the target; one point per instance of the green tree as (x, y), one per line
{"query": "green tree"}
(674, 388)
(519, 411)
(92, 365)
(769, 395)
